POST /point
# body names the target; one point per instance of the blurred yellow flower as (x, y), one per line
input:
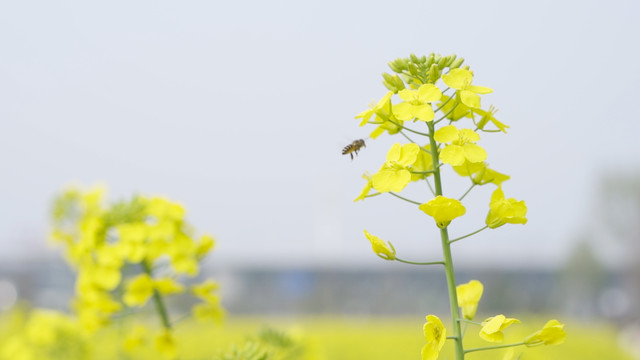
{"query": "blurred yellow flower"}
(166, 345)
(380, 248)
(167, 286)
(493, 326)
(138, 290)
(135, 338)
(551, 334)
(436, 334)
(469, 295)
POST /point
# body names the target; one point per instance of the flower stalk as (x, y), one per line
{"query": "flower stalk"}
(446, 252)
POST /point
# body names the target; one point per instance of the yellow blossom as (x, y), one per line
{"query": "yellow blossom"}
(138, 290)
(551, 334)
(423, 164)
(383, 116)
(380, 248)
(460, 146)
(443, 210)
(367, 188)
(436, 334)
(493, 326)
(136, 337)
(166, 345)
(505, 211)
(469, 295)
(460, 79)
(480, 173)
(394, 174)
(167, 286)
(416, 104)
(486, 116)
(454, 110)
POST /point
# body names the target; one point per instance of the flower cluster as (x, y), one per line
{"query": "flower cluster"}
(129, 253)
(420, 90)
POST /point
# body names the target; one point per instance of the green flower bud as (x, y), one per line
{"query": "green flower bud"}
(423, 59)
(434, 73)
(413, 69)
(456, 64)
(443, 62)
(399, 64)
(414, 58)
(450, 59)
(388, 78)
(392, 82)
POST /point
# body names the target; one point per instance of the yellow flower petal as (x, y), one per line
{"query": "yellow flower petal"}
(446, 134)
(469, 98)
(469, 295)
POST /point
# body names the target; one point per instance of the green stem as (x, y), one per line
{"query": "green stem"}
(466, 192)
(402, 127)
(157, 299)
(419, 263)
(466, 236)
(494, 347)
(470, 322)
(446, 251)
(447, 114)
(405, 199)
(430, 187)
(407, 137)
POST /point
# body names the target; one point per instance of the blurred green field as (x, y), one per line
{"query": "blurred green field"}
(340, 338)
(401, 338)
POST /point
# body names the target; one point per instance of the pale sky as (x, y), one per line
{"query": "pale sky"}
(239, 111)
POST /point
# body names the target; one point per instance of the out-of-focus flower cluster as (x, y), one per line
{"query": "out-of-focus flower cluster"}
(128, 253)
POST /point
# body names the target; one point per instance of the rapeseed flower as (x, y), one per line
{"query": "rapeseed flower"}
(505, 211)
(480, 173)
(493, 326)
(460, 146)
(551, 334)
(436, 334)
(367, 188)
(417, 103)
(138, 290)
(486, 116)
(460, 79)
(394, 174)
(469, 295)
(443, 210)
(380, 248)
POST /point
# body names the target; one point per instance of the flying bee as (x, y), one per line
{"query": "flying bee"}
(354, 147)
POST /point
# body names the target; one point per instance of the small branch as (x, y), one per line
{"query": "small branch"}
(405, 199)
(493, 347)
(430, 188)
(466, 236)
(420, 263)
(157, 299)
(470, 322)
(466, 192)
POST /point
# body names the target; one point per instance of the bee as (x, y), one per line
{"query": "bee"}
(354, 147)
